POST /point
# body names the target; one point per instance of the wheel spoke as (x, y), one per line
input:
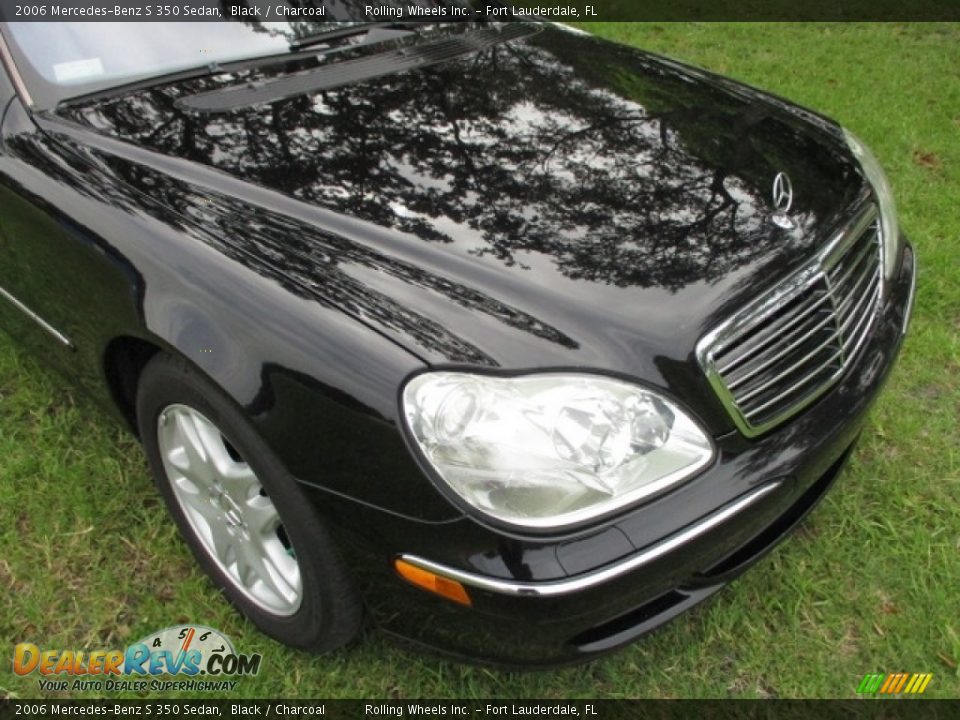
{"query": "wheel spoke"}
(197, 499)
(195, 485)
(261, 516)
(241, 482)
(221, 540)
(191, 442)
(215, 449)
(252, 561)
(180, 459)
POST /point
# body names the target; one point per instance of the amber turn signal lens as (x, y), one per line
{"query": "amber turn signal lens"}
(437, 584)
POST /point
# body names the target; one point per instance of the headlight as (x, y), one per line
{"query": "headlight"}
(551, 449)
(890, 233)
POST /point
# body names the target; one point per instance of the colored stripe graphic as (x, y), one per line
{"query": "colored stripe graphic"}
(870, 683)
(888, 683)
(894, 683)
(902, 681)
(913, 683)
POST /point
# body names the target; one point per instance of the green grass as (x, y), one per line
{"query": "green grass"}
(869, 584)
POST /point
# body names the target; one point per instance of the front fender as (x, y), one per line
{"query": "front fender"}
(317, 383)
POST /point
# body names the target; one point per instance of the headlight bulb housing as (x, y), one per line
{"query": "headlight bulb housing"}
(550, 450)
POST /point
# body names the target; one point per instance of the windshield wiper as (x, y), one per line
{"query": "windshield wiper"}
(348, 72)
(111, 91)
(374, 31)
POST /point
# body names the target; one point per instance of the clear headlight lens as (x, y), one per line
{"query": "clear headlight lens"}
(547, 450)
(888, 212)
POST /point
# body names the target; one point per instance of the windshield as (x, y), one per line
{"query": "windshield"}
(59, 60)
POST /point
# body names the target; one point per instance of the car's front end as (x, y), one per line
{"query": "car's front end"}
(584, 527)
(541, 593)
(557, 336)
(539, 598)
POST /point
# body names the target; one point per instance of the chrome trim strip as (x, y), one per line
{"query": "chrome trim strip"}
(908, 311)
(555, 588)
(756, 312)
(14, 73)
(36, 318)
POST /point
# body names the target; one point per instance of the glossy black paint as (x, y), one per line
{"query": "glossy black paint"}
(554, 202)
(804, 457)
(559, 201)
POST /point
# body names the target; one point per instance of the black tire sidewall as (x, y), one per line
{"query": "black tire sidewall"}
(330, 611)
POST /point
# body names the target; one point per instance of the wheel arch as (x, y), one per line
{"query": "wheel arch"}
(124, 359)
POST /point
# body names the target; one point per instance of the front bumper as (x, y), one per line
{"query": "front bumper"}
(545, 601)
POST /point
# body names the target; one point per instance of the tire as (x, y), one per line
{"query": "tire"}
(290, 581)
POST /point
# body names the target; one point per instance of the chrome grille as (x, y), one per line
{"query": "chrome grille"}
(787, 348)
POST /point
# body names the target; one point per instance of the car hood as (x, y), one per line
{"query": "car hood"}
(553, 201)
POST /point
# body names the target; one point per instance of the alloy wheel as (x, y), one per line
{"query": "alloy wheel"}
(228, 510)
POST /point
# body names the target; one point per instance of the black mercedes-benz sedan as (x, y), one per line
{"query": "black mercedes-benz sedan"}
(511, 341)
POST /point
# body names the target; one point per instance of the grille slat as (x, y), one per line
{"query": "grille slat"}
(863, 323)
(755, 412)
(757, 342)
(789, 347)
(829, 342)
(767, 361)
(850, 284)
(853, 302)
(856, 313)
(847, 274)
(847, 268)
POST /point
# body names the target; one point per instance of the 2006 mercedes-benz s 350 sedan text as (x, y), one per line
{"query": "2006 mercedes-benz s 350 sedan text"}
(512, 341)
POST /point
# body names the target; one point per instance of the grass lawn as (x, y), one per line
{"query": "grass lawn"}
(89, 559)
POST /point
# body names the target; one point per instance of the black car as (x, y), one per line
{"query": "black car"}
(511, 340)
